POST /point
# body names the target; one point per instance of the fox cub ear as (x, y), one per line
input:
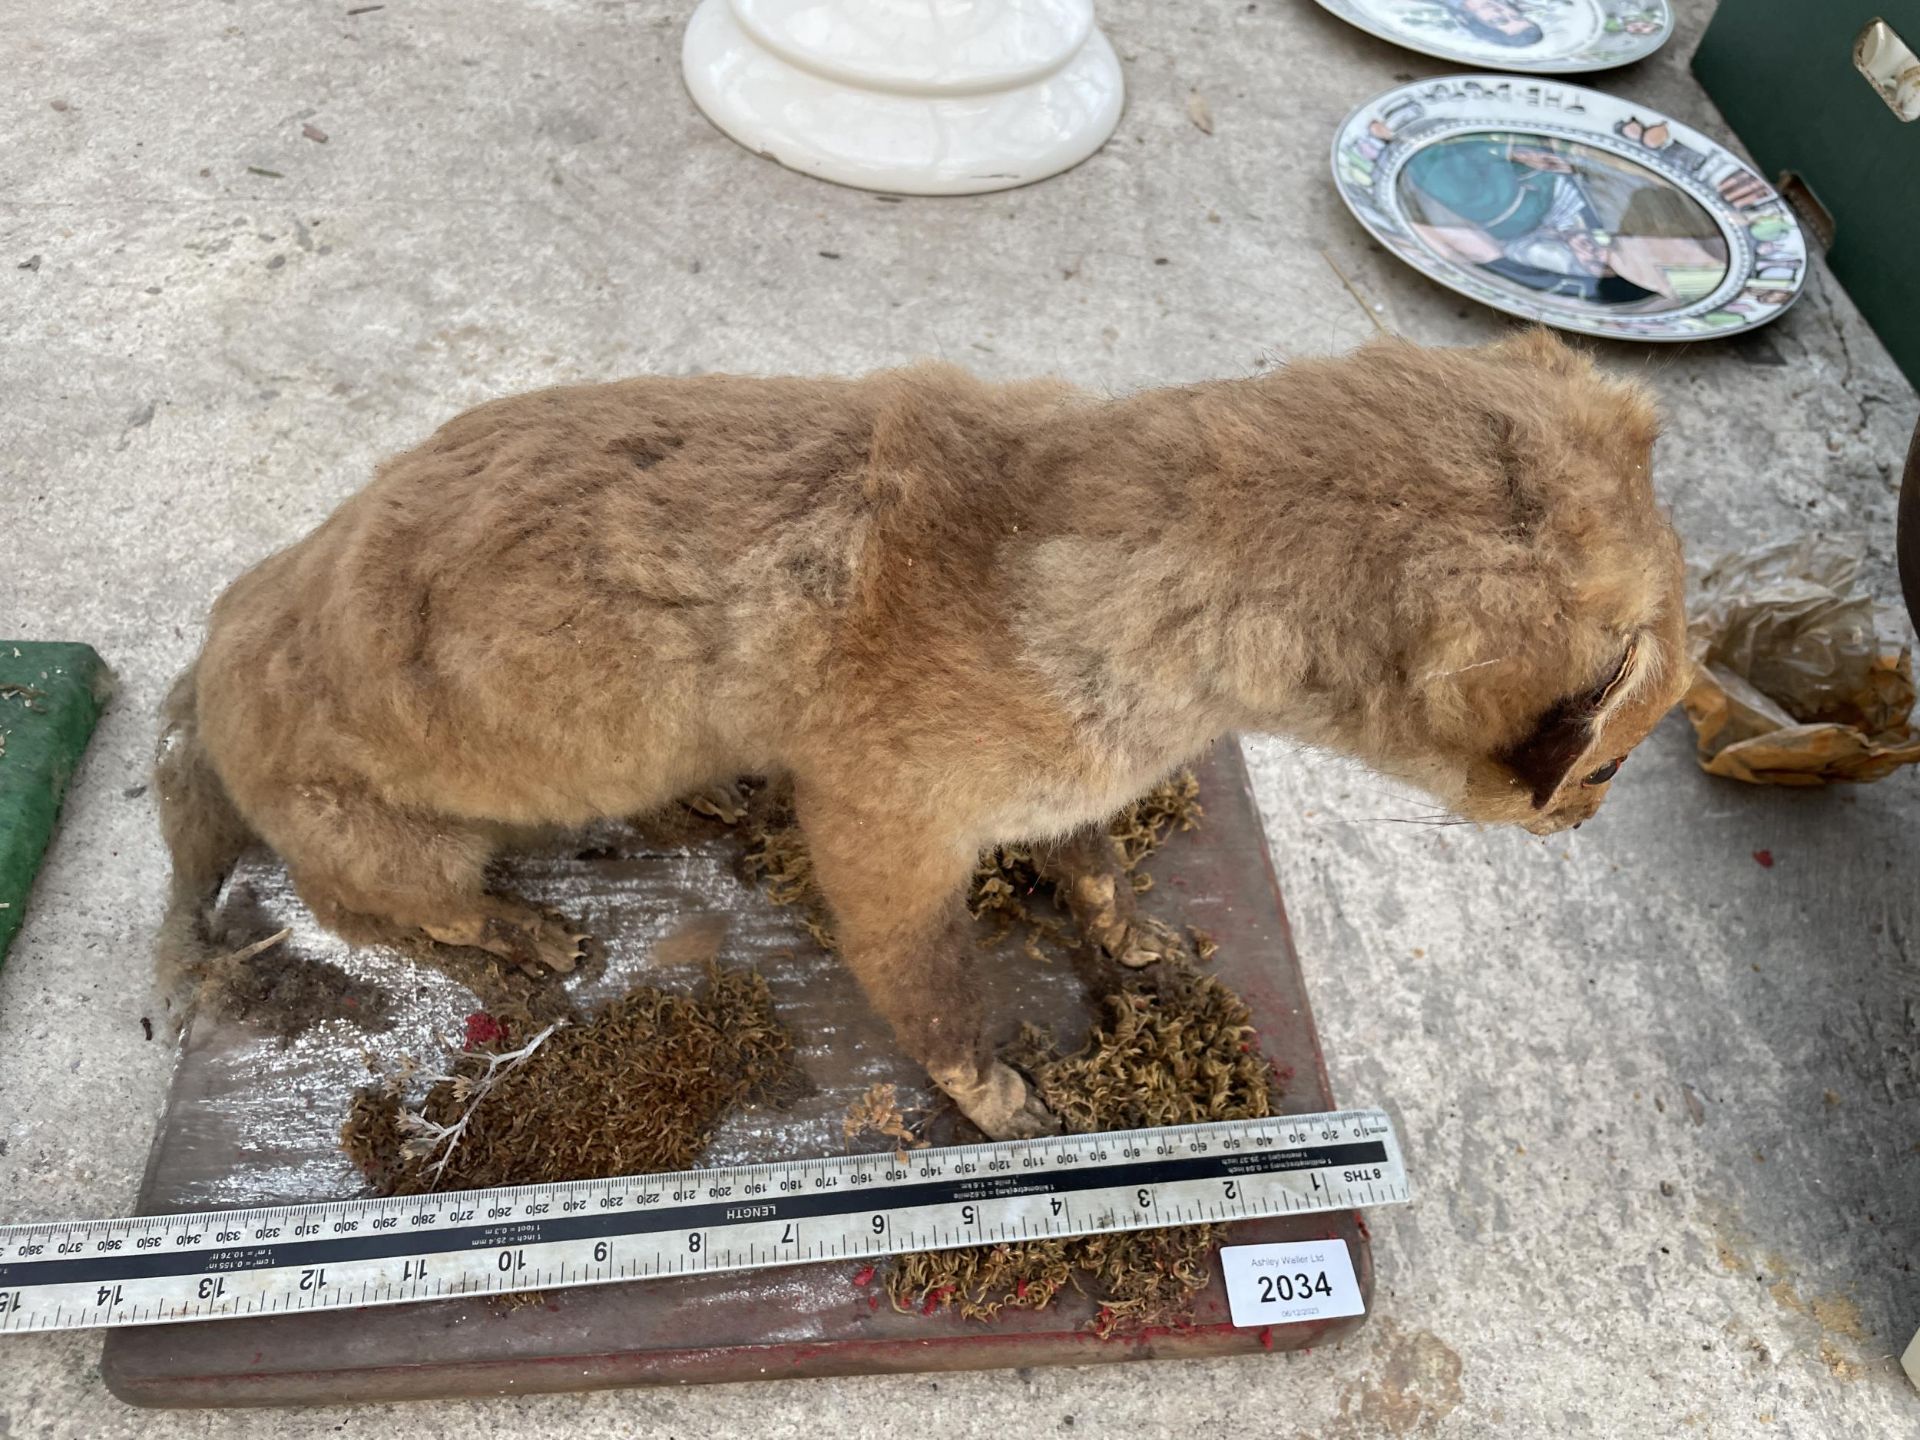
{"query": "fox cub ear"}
(1542, 758)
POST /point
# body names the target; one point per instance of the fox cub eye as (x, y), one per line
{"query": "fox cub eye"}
(1603, 774)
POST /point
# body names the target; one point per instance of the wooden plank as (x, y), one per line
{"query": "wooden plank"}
(251, 1121)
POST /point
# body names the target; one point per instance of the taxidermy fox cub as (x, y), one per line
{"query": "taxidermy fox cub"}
(954, 613)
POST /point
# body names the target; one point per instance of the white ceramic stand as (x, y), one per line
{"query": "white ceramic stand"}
(918, 97)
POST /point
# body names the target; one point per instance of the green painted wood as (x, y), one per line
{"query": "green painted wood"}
(50, 696)
(1782, 73)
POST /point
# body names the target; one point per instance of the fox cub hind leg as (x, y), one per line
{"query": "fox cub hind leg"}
(371, 870)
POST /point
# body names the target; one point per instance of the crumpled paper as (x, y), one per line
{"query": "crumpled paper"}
(1797, 680)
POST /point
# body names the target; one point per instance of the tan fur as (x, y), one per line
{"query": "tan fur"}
(955, 613)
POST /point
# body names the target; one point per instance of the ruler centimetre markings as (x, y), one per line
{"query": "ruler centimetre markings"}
(345, 1253)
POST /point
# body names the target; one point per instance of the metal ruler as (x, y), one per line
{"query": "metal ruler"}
(79, 1274)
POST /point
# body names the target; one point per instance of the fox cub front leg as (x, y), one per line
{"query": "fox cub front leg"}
(898, 895)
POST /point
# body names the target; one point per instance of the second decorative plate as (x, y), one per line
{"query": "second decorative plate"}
(1573, 208)
(1542, 37)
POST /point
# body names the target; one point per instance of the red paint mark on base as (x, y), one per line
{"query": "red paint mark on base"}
(1140, 1335)
(864, 1275)
(1266, 1337)
(483, 1029)
(1764, 859)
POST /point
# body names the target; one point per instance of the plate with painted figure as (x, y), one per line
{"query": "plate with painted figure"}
(1545, 37)
(1579, 210)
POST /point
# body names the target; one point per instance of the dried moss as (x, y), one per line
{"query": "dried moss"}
(1143, 827)
(878, 1112)
(1140, 1278)
(286, 993)
(374, 1140)
(1004, 881)
(1173, 1047)
(776, 859)
(246, 969)
(639, 1087)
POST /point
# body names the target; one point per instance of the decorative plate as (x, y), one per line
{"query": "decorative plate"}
(1543, 37)
(1569, 207)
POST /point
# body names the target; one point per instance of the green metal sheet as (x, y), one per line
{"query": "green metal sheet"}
(50, 697)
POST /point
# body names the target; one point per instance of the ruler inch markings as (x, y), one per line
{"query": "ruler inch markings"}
(343, 1253)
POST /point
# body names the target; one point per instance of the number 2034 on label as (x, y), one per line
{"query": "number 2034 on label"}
(1284, 1284)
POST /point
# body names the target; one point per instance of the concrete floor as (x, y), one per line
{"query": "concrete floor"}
(1659, 1100)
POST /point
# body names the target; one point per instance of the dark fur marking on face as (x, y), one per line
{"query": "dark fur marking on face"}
(1560, 737)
